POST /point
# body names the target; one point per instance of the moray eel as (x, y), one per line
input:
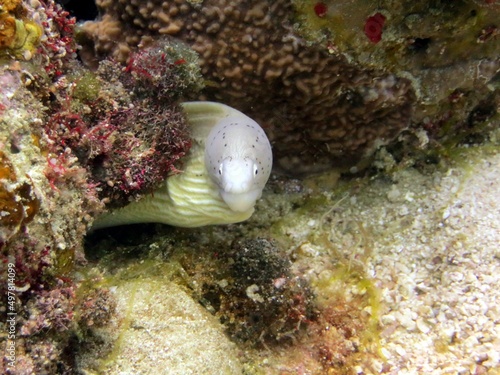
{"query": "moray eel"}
(223, 174)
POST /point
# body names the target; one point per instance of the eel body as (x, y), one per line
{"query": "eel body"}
(223, 174)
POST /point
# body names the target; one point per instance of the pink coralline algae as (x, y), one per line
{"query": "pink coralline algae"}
(58, 48)
(123, 125)
(374, 27)
(163, 72)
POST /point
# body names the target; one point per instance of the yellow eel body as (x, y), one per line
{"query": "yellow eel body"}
(192, 198)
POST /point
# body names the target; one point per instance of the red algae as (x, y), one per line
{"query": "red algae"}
(374, 27)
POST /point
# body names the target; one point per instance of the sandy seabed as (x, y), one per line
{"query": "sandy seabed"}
(434, 256)
(438, 256)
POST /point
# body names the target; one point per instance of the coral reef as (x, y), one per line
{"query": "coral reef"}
(449, 51)
(18, 205)
(164, 72)
(96, 308)
(317, 104)
(71, 142)
(287, 305)
(332, 94)
(359, 279)
(412, 34)
(38, 244)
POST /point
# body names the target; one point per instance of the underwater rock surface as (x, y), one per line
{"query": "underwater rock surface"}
(308, 73)
(399, 269)
(164, 331)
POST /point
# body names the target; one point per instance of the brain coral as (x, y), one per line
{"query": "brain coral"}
(318, 108)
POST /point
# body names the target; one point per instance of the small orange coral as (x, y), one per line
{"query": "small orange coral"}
(17, 203)
(19, 36)
(10, 5)
(7, 30)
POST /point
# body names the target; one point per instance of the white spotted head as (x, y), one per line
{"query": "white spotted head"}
(238, 158)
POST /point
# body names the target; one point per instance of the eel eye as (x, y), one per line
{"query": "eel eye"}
(220, 170)
(255, 170)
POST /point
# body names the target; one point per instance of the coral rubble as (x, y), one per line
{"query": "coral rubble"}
(258, 299)
(288, 304)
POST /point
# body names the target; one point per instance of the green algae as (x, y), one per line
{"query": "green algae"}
(87, 87)
(64, 262)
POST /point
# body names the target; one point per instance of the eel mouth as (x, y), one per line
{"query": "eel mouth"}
(241, 202)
